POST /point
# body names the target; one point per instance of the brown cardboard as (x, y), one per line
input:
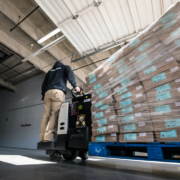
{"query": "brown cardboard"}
(168, 136)
(133, 118)
(138, 137)
(103, 108)
(142, 126)
(155, 69)
(112, 128)
(105, 138)
(168, 75)
(104, 122)
(103, 114)
(166, 123)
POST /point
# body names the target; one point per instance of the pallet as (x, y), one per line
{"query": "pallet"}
(168, 152)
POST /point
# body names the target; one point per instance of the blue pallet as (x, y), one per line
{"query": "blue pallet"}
(154, 150)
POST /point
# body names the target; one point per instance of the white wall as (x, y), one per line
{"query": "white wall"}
(22, 107)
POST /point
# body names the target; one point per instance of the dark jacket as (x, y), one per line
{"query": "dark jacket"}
(57, 78)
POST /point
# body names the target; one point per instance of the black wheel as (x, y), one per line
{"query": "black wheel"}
(55, 156)
(71, 156)
(83, 155)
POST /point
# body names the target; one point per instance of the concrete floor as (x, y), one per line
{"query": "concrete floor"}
(23, 164)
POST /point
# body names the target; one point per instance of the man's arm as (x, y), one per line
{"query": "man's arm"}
(70, 76)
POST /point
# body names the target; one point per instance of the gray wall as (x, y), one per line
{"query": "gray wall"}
(22, 107)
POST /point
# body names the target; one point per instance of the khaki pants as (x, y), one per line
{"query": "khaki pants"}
(52, 102)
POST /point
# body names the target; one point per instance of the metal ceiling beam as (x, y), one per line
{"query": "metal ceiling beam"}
(5, 58)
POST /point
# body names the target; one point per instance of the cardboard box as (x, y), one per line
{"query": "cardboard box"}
(157, 68)
(137, 137)
(162, 78)
(174, 49)
(165, 110)
(134, 89)
(105, 138)
(104, 122)
(107, 106)
(134, 118)
(103, 114)
(131, 99)
(168, 136)
(166, 123)
(143, 126)
(112, 128)
(166, 96)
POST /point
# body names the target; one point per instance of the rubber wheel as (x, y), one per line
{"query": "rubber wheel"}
(84, 155)
(72, 156)
(55, 156)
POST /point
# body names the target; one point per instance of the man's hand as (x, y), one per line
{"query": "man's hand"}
(77, 89)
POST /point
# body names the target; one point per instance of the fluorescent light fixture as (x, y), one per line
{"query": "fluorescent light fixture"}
(22, 160)
(48, 36)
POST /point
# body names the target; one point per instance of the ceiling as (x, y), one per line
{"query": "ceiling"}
(91, 25)
(97, 27)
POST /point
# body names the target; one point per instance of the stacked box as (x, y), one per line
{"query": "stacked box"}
(138, 88)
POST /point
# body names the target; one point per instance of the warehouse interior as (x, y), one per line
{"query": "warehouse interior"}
(34, 34)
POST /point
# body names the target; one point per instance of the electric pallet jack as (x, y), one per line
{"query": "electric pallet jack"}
(74, 129)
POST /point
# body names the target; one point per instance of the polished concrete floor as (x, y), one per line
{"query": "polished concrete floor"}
(22, 164)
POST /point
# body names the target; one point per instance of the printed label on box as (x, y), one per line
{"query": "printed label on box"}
(142, 134)
(125, 102)
(157, 45)
(169, 24)
(177, 103)
(172, 123)
(104, 94)
(101, 129)
(177, 80)
(112, 117)
(128, 118)
(117, 88)
(108, 97)
(146, 64)
(164, 108)
(138, 95)
(122, 91)
(174, 69)
(109, 72)
(110, 126)
(97, 86)
(100, 138)
(138, 87)
(141, 124)
(102, 122)
(129, 127)
(144, 46)
(134, 43)
(111, 59)
(162, 88)
(177, 42)
(158, 78)
(100, 90)
(92, 80)
(100, 75)
(119, 63)
(119, 78)
(157, 56)
(92, 76)
(137, 105)
(110, 79)
(93, 113)
(138, 114)
(131, 136)
(98, 104)
(113, 134)
(93, 95)
(167, 17)
(93, 102)
(131, 58)
(150, 70)
(99, 115)
(176, 33)
(125, 82)
(124, 96)
(108, 110)
(168, 134)
(169, 59)
(127, 110)
(121, 70)
(163, 96)
(141, 57)
(104, 107)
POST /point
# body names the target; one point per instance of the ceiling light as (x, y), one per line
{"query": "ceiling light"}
(48, 36)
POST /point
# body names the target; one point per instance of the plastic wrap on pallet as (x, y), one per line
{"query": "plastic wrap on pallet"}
(138, 87)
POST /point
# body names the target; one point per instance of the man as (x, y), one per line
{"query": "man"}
(53, 94)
